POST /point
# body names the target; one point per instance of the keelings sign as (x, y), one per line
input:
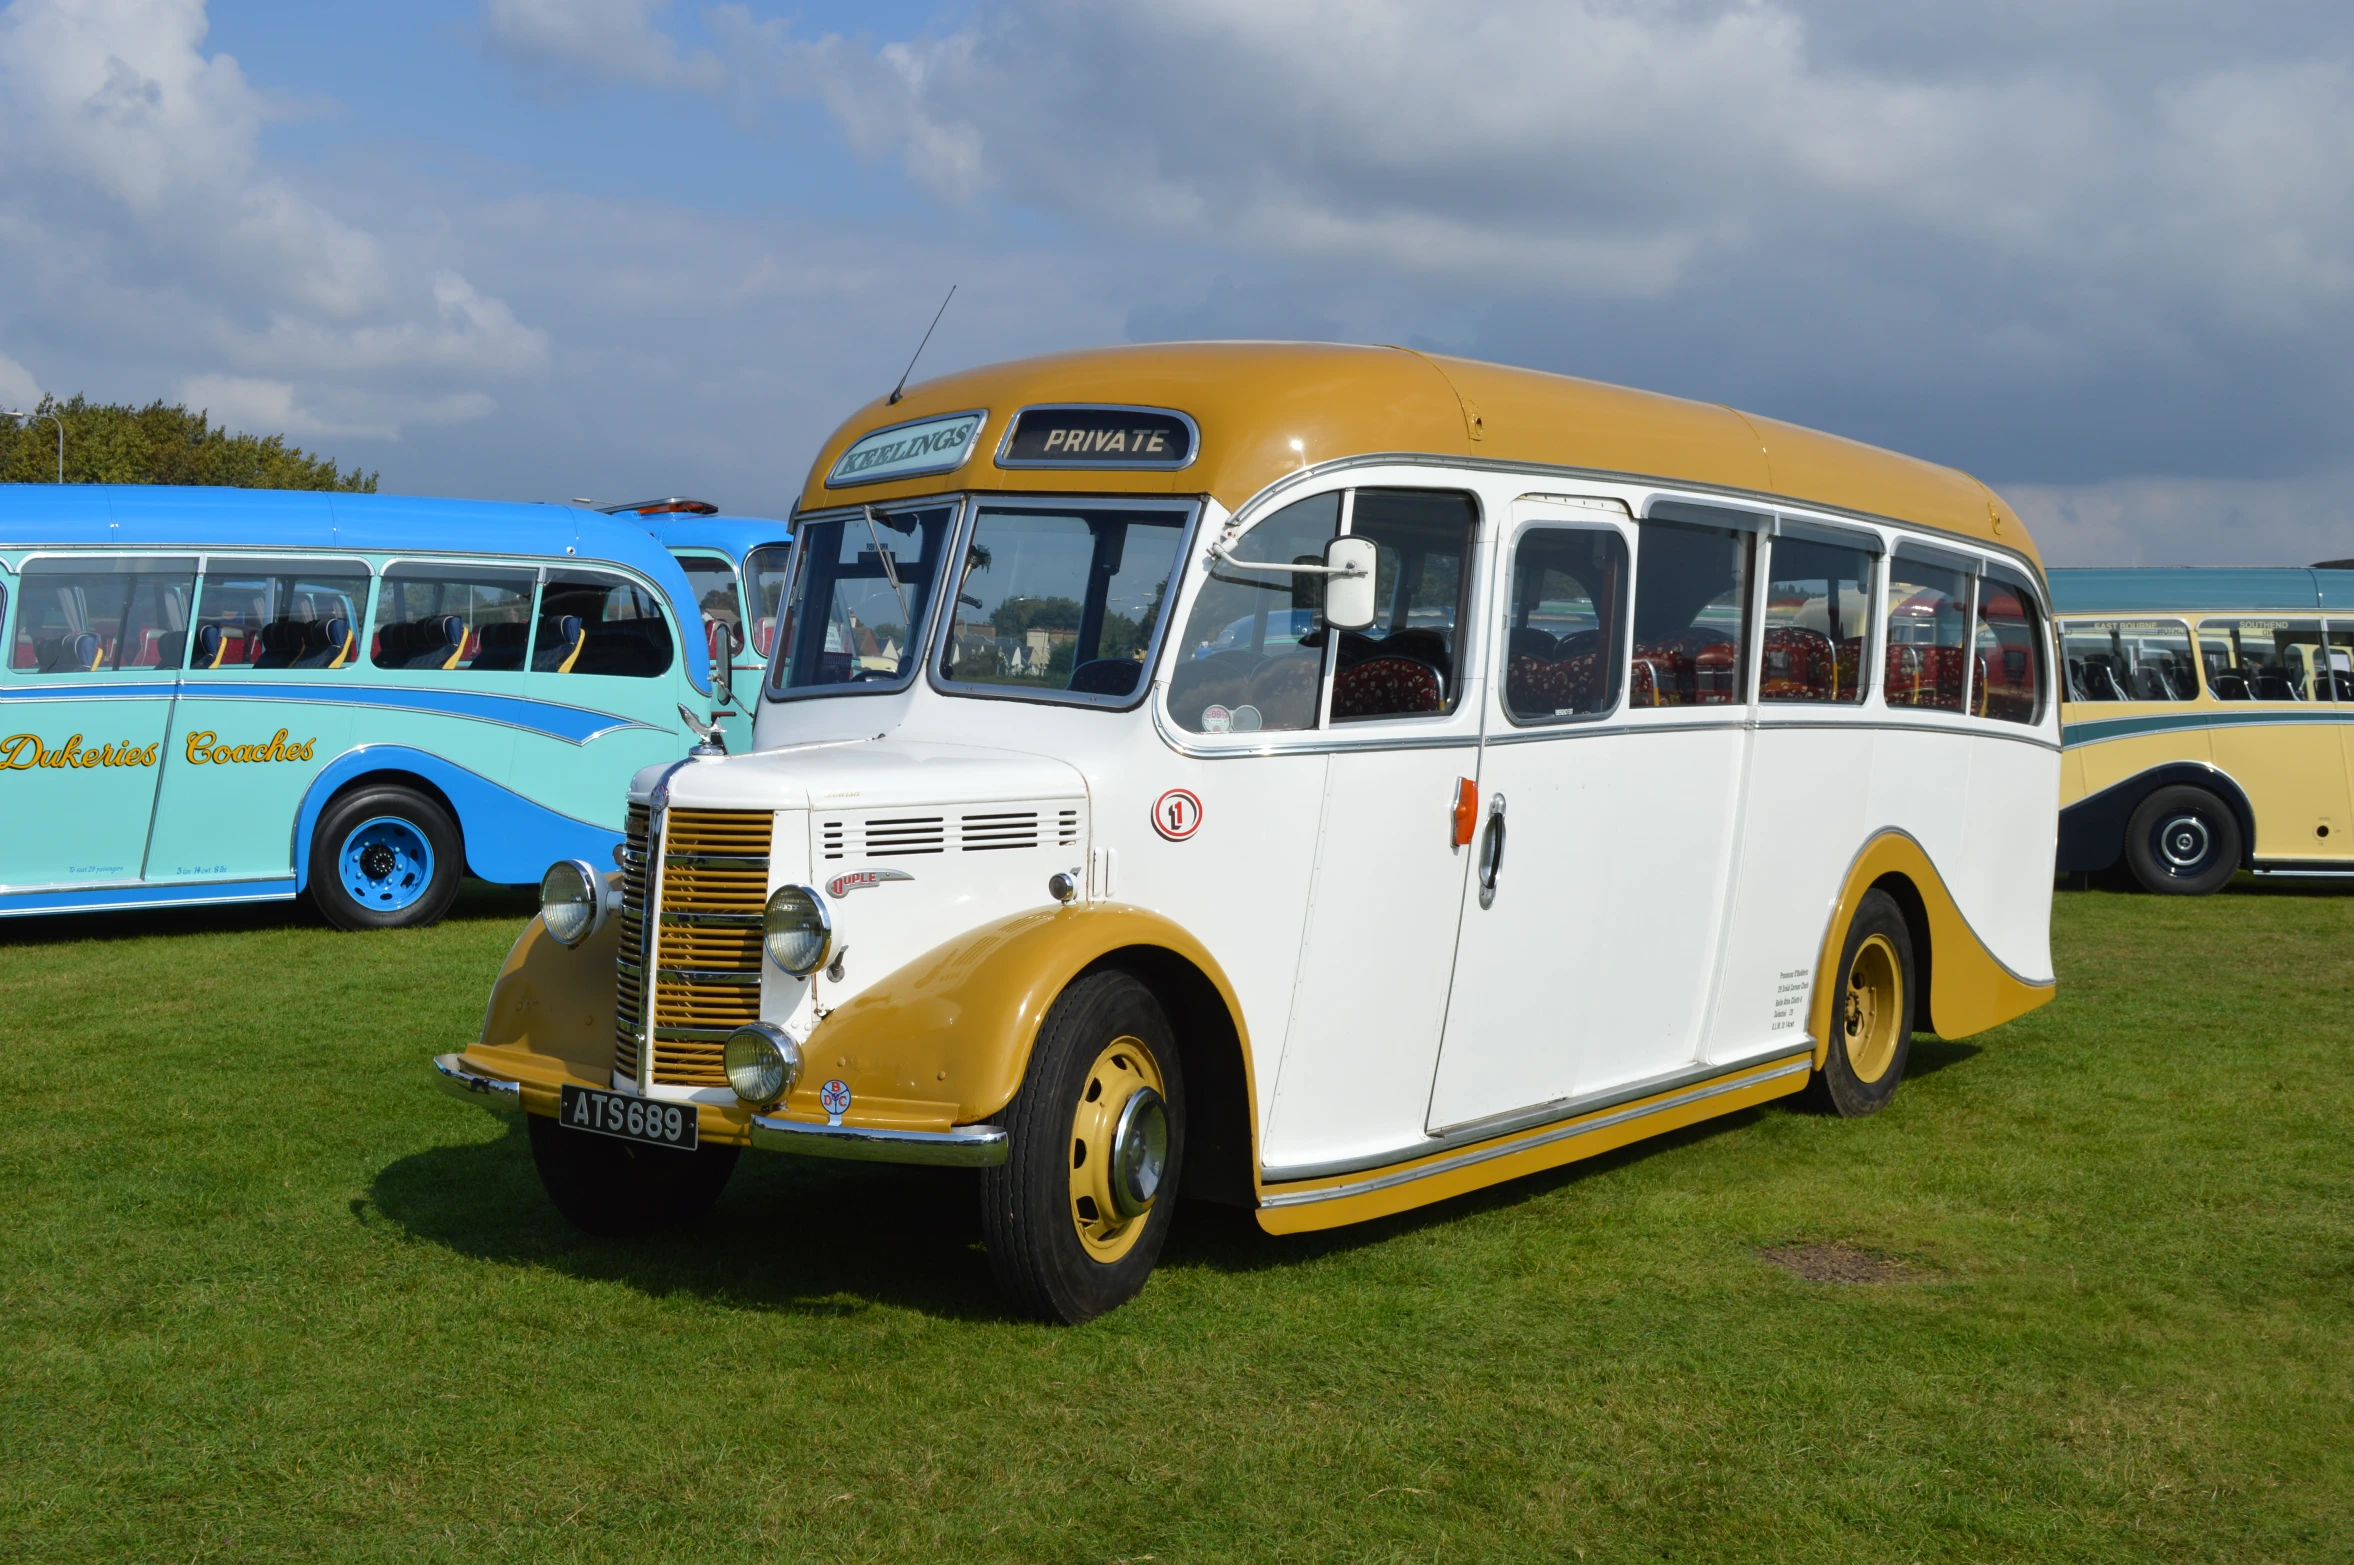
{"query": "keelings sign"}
(931, 445)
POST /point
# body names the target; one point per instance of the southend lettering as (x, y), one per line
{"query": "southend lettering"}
(205, 750)
(23, 752)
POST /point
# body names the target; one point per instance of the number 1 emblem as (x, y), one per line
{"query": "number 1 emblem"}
(1177, 814)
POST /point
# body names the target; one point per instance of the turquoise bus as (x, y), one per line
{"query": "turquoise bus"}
(233, 695)
(736, 566)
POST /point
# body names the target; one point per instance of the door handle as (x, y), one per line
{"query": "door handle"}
(1491, 852)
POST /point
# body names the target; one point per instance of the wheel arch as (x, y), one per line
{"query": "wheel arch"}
(502, 836)
(1220, 1145)
(2092, 830)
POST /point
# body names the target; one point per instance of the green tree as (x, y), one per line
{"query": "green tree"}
(1017, 615)
(115, 443)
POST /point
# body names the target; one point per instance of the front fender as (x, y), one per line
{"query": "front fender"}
(954, 1027)
(553, 1004)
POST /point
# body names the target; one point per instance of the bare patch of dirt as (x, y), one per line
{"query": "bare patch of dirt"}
(1838, 1263)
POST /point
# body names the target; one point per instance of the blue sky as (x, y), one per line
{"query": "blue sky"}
(2100, 254)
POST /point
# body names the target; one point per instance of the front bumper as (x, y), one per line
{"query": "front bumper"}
(962, 1146)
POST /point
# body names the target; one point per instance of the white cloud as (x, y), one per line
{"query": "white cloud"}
(614, 39)
(18, 389)
(267, 407)
(2180, 521)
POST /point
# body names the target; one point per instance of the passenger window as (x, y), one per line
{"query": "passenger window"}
(452, 617)
(2128, 660)
(765, 571)
(593, 623)
(2006, 679)
(1928, 606)
(1250, 657)
(2340, 665)
(81, 616)
(278, 614)
(714, 583)
(860, 595)
(1568, 596)
(1062, 601)
(1409, 663)
(1691, 616)
(2263, 659)
(1818, 617)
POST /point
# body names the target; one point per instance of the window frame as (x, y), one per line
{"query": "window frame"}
(340, 563)
(2059, 634)
(592, 565)
(1622, 526)
(937, 629)
(12, 612)
(735, 570)
(1807, 529)
(1705, 516)
(803, 523)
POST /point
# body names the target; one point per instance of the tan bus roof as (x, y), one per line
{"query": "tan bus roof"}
(1269, 408)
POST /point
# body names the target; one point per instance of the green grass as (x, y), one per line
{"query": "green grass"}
(266, 1295)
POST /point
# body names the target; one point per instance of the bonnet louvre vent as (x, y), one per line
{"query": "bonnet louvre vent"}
(893, 836)
(999, 829)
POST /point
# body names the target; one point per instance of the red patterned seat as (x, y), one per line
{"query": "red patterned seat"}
(1925, 676)
(1387, 687)
(1800, 665)
(1540, 687)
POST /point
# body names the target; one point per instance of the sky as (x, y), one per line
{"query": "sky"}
(2099, 254)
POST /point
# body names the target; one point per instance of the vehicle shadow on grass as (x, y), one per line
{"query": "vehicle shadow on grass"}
(478, 901)
(790, 1235)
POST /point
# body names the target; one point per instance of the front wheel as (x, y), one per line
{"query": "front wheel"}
(385, 857)
(1076, 1216)
(1871, 1011)
(2182, 842)
(619, 1189)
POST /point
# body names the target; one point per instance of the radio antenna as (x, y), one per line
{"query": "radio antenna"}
(919, 347)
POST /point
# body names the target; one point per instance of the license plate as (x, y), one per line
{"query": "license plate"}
(631, 1119)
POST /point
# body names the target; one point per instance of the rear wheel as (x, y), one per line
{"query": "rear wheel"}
(1871, 1011)
(2182, 842)
(385, 857)
(1076, 1216)
(619, 1189)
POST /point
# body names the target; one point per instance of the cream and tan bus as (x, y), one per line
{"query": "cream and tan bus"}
(1319, 779)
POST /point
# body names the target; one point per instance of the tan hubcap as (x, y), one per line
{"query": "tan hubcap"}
(1120, 1072)
(1874, 1009)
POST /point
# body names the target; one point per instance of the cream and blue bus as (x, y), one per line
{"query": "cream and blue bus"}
(2206, 716)
(231, 695)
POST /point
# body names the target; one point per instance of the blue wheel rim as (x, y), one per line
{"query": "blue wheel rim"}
(385, 864)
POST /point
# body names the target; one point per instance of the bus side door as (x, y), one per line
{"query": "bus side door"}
(94, 651)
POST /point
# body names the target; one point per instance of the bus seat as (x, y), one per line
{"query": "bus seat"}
(282, 643)
(1800, 665)
(764, 634)
(502, 646)
(1387, 686)
(1539, 685)
(2276, 687)
(2150, 685)
(1529, 642)
(1106, 676)
(452, 648)
(326, 644)
(560, 647)
(1423, 645)
(170, 648)
(2229, 685)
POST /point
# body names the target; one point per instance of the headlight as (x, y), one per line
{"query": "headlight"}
(572, 900)
(763, 1062)
(798, 932)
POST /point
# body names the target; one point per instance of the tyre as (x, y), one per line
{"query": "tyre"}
(619, 1189)
(2182, 842)
(1871, 1012)
(385, 857)
(1076, 1215)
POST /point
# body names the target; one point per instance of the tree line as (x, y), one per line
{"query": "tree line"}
(116, 443)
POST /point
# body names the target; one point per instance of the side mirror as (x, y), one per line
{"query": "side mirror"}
(723, 659)
(1348, 592)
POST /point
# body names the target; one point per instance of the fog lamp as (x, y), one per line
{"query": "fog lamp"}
(798, 932)
(763, 1062)
(571, 900)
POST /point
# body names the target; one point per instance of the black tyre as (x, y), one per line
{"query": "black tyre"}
(1077, 1214)
(2182, 842)
(1871, 1011)
(618, 1189)
(385, 857)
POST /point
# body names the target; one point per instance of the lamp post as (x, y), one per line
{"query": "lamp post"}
(29, 419)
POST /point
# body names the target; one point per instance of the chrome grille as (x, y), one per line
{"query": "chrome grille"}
(707, 939)
(629, 969)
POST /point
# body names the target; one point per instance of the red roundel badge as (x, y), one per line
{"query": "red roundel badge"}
(1177, 814)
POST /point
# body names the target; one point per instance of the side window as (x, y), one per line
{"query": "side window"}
(765, 571)
(473, 618)
(2263, 659)
(1250, 656)
(1818, 617)
(1927, 661)
(1056, 599)
(2128, 660)
(1410, 662)
(593, 623)
(1691, 610)
(2340, 653)
(1567, 605)
(275, 614)
(2007, 677)
(714, 582)
(80, 616)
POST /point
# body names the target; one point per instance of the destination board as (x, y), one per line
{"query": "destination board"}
(932, 445)
(1098, 437)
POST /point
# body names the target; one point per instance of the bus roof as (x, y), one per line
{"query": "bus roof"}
(733, 536)
(188, 517)
(1265, 409)
(2150, 589)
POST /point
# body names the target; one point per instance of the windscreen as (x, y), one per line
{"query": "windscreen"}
(859, 600)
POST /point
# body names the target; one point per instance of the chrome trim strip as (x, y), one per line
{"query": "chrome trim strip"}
(1182, 741)
(1563, 1132)
(715, 861)
(966, 1146)
(715, 920)
(692, 1034)
(697, 975)
(500, 1097)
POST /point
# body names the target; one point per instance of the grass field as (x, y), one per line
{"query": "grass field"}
(266, 1295)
